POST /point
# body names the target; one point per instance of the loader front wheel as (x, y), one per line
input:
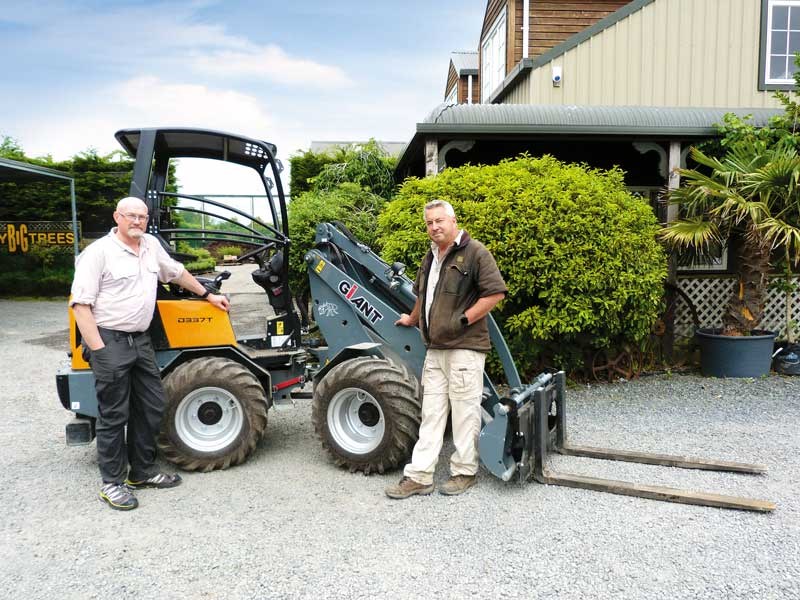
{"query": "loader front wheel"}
(366, 412)
(216, 412)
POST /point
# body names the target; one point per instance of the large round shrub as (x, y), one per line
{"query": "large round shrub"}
(577, 251)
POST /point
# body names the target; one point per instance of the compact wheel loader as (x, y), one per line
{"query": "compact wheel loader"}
(361, 370)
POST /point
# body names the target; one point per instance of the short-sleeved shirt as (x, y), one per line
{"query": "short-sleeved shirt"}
(120, 285)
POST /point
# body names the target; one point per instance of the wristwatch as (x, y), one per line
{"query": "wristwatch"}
(205, 295)
(464, 320)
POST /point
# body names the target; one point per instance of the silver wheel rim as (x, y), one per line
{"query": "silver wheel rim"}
(355, 421)
(208, 419)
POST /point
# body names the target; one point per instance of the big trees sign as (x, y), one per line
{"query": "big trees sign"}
(19, 236)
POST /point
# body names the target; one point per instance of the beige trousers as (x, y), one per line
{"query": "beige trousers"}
(452, 382)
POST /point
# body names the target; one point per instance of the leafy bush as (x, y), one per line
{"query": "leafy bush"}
(202, 262)
(348, 203)
(220, 250)
(42, 271)
(367, 165)
(576, 249)
(304, 167)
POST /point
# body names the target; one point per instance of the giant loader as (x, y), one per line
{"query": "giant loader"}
(361, 370)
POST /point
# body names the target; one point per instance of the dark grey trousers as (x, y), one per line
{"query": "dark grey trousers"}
(129, 392)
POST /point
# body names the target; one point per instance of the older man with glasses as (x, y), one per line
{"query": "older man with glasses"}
(113, 300)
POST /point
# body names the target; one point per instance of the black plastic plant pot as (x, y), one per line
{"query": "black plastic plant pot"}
(735, 356)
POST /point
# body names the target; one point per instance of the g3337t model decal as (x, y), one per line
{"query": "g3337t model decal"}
(349, 290)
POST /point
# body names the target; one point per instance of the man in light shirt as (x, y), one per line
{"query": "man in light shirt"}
(457, 284)
(113, 301)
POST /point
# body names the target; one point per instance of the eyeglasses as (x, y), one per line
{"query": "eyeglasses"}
(133, 218)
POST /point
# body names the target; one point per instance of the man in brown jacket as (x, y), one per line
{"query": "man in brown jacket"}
(458, 283)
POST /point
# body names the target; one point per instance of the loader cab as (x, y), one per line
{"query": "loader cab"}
(262, 227)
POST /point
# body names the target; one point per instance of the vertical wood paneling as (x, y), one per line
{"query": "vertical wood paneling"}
(552, 22)
(513, 34)
(670, 53)
(451, 79)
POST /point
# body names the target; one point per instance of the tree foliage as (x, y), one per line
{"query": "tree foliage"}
(100, 181)
(366, 164)
(751, 194)
(576, 249)
(304, 168)
(356, 208)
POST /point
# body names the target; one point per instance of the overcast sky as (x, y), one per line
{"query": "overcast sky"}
(76, 71)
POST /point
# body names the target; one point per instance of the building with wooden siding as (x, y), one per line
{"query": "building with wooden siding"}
(692, 54)
(463, 84)
(704, 53)
(633, 84)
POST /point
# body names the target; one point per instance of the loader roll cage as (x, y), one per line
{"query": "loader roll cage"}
(155, 148)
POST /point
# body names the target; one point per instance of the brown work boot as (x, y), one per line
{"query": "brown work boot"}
(406, 488)
(457, 484)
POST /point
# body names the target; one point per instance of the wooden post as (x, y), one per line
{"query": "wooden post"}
(431, 156)
(673, 183)
(674, 180)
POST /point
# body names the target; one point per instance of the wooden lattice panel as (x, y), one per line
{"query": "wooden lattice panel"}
(710, 296)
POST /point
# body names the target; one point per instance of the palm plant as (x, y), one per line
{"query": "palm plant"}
(752, 194)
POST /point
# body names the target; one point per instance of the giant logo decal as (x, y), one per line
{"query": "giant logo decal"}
(349, 290)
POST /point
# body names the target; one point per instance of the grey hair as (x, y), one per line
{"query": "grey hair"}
(448, 208)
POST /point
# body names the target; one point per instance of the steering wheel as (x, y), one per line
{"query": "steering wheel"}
(258, 250)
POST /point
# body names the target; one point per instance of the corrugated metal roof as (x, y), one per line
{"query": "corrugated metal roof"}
(610, 120)
(465, 63)
(22, 172)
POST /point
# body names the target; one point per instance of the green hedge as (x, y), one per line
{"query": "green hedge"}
(349, 203)
(577, 251)
(42, 271)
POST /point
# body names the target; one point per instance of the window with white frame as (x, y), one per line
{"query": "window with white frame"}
(780, 40)
(493, 56)
(452, 97)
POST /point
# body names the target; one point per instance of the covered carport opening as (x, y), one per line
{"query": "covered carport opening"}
(647, 142)
(13, 171)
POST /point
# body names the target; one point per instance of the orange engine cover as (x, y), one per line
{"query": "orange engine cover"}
(193, 324)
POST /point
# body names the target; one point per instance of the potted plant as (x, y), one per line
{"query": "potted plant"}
(749, 194)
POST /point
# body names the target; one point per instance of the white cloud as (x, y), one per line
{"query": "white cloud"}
(273, 63)
(139, 102)
(156, 103)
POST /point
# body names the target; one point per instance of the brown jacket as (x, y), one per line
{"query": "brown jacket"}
(468, 272)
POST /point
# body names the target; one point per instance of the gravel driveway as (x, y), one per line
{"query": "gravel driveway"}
(288, 524)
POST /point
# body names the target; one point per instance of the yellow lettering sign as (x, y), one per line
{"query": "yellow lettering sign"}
(19, 236)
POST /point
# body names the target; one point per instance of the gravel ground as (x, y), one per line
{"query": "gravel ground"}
(288, 524)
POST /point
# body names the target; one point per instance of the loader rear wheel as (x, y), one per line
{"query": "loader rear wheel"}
(216, 413)
(366, 412)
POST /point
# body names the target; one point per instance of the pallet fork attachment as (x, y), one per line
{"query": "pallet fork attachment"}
(532, 422)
